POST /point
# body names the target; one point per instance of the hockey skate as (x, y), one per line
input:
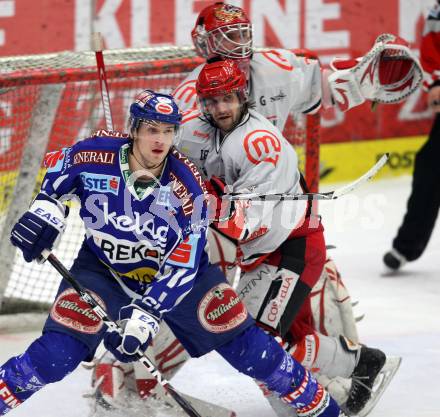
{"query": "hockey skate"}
(382, 381)
(370, 378)
(394, 260)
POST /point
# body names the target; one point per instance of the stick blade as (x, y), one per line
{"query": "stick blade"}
(364, 178)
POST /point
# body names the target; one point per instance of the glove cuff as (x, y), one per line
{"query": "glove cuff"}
(45, 197)
(49, 212)
(135, 311)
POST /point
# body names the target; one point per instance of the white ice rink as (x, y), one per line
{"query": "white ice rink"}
(402, 317)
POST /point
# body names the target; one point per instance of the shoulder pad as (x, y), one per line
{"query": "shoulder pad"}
(191, 114)
(305, 53)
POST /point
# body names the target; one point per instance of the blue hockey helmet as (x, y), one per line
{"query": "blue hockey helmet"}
(150, 106)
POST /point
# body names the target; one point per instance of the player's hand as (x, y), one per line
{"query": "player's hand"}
(138, 330)
(221, 209)
(40, 227)
(434, 98)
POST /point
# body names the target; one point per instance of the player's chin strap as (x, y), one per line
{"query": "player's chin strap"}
(111, 324)
(388, 73)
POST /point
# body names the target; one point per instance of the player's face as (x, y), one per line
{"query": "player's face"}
(154, 140)
(238, 36)
(233, 41)
(225, 110)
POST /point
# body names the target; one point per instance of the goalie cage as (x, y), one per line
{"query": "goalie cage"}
(49, 101)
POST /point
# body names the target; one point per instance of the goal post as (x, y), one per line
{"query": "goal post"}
(50, 101)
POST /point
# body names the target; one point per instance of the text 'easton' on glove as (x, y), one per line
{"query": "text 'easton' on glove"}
(138, 330)
(41, 227)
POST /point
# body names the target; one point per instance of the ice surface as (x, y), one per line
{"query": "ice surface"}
(401, 317)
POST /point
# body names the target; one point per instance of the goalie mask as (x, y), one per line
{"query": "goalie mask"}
(223, 30)
(220, 78)
(153, 108)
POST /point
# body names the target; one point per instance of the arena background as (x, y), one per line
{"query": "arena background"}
(346, 28)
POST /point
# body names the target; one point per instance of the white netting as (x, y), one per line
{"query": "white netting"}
(37, 119)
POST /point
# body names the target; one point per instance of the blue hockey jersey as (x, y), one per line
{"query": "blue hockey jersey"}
(153, 238)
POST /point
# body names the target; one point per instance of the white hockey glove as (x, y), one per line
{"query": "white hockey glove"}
(138, 330)
(41, 227)
(388, 73)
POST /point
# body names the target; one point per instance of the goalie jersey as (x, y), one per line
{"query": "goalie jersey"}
(430, 48)
(152, 238)
(254, 157)
(280, 82)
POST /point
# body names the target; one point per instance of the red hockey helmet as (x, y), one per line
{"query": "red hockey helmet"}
(221, 78)
(223, 30)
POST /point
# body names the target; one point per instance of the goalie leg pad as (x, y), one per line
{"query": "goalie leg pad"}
(337, 387)
(331, 305)
(167, 353)
(326, 355)
(111, 382)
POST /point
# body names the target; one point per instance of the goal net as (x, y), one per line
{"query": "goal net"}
(50, 101)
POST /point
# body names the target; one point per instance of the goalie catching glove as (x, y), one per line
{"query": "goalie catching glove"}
(138, 330)
(388, 73)
(41, 227)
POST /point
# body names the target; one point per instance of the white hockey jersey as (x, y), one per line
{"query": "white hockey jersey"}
(253, 157)
(280, 82)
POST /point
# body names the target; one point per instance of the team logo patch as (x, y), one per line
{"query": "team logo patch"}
(262, 146)
(54, 161)
(94, 157)
(72, 312)
(163, 197)
(100, 182)
(185, 253)
(143, 274)
(228, 12)
(221, 309)
(164, 108)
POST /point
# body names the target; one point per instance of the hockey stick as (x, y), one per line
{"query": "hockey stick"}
(111, 324)
(330, 195)
(105, 95)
